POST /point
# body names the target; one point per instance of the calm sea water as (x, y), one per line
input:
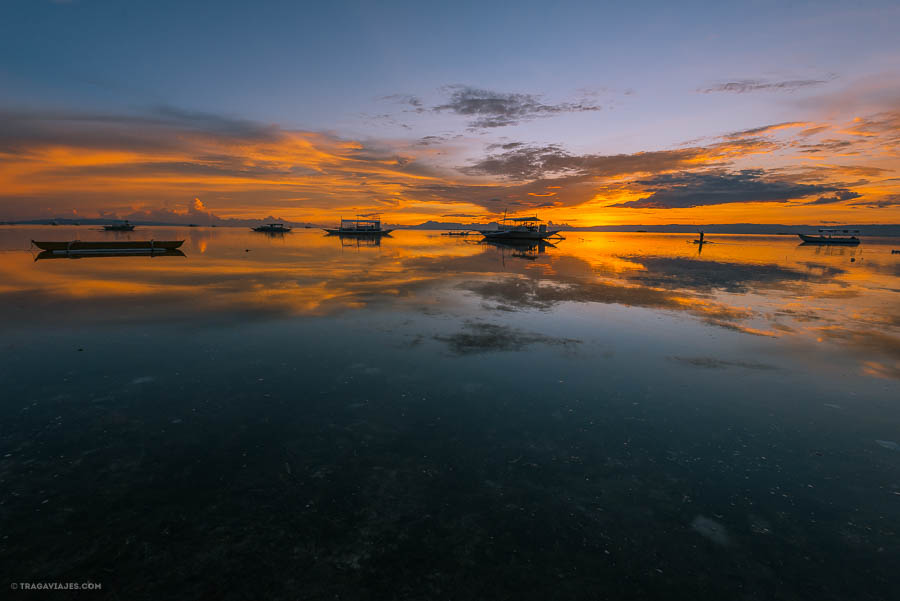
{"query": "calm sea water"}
(619, 416)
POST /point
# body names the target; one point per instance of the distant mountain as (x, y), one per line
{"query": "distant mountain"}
(717, 228)
(675, 228)
(151, 222)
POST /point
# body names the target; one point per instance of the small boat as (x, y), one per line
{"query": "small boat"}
(520, 228)
(832, 237)
(273, 228)
(137, 252)
(456, 233)
(119, 227)
(90, 247)
(359, 227)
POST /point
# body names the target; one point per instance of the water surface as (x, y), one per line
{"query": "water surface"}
(617, 416)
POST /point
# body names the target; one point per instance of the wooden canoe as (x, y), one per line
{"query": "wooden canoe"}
(85, 246)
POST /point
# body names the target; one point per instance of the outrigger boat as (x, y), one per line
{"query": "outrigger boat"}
(273, 228)
(520, 228)
(359, 227)
(49, 254)
(123, 247)
(832, 237)
(119, 227)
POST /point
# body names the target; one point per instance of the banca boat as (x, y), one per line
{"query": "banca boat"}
(273, 228)
(357, 227)
(91, 247)
(520, 228)
(831, 236)
(119, 227)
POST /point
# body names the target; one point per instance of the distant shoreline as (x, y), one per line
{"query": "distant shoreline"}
(717, 228)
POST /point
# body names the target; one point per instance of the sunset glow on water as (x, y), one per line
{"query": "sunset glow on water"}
(437, 411)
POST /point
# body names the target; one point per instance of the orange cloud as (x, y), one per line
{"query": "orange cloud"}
(51, 164)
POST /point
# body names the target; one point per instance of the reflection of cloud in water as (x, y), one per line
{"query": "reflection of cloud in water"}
(704, 275)
(713, 363)
(869, 342)
(479, 337)
(516, 292)
(736, 327)
(784, 291)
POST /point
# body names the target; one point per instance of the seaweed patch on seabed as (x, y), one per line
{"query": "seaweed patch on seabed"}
(712, 530)
(478, 337)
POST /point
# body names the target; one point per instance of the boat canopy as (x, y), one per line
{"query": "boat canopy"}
(522, 219)
(361, 224)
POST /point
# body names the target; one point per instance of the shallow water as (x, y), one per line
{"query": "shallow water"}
(617, 416)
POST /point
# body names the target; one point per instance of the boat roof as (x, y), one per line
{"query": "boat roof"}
(363, 220)
(522, 218)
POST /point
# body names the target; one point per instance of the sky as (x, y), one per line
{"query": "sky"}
(587, 113)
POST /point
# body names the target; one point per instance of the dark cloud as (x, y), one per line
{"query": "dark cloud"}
(498, 109)
(214, 123)
(839, 196)
(684, 190)
(882, 203)
(411, 100)
(161, 128)
(764, 129)
(462, 215)
(830, 145)
(521, 162)
(878, 124)
(743, 86)
(811, 131)
(430, 140)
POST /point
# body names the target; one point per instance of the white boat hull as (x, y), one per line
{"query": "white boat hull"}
(518, 235)
(829, 239)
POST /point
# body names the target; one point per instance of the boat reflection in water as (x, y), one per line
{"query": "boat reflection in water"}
(359, 240)
(519, 248)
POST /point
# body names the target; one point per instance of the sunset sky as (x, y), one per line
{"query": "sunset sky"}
(584, 112)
